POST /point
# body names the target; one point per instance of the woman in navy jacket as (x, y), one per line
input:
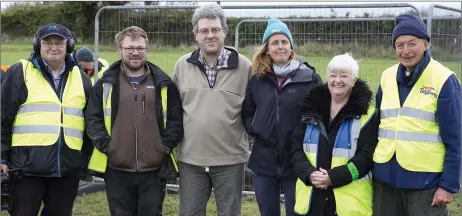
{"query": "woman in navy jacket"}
(271, 113)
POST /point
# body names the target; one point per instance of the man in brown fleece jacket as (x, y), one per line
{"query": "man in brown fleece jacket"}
(136, 144)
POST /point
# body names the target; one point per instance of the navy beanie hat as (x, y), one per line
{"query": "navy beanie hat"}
(85, 54)
(276, 26)
(409, 24)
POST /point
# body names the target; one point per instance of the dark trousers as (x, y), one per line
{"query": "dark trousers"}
(268, 191)
(389, 201)
(57, 194)
(131, 194)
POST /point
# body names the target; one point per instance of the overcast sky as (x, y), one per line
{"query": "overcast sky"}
(316, 12)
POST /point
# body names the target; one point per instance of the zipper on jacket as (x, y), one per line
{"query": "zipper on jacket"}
(61, 129)
(143, 102)
(277, 126)
(136, 128)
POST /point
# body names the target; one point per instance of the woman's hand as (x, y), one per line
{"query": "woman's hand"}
(320, 179)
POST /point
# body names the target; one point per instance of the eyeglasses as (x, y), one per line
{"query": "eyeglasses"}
(132, 49)
(205, 31)
(48, 44)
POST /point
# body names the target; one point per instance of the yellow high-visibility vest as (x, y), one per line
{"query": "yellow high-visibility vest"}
(104, 62)
(412, 131)
(38, 121)
(354, 199)
(98, 160)
(101, 71)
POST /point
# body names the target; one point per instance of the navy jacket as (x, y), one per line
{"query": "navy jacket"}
(271, 117)
(3, 74)
(448, 115)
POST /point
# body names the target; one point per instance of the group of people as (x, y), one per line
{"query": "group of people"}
(324, 143)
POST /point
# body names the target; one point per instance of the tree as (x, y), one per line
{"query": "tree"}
(84, 13)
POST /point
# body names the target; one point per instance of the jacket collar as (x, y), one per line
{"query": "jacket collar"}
(417, 71)
(304, 73)
(112, 73)
(37, 61)
(317, 101)
(233, 60)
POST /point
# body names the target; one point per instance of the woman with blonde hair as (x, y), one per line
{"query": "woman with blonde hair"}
(270, 114)
(333, 145)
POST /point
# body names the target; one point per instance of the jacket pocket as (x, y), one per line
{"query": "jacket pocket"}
(234, 93)
(120, 156)
(263, 125)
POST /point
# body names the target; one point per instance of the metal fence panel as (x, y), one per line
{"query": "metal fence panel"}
(444, 27)
(329, 30)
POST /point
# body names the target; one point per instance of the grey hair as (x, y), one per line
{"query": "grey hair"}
(209, 11)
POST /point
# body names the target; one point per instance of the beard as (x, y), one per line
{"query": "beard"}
(133, 66)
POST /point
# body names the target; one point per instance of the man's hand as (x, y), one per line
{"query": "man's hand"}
(441, 197)
(4, 169)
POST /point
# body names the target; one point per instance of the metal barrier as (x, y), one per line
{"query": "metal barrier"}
(444, 27)
(177, 38)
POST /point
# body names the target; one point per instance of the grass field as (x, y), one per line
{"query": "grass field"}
(96, 204)
(370, 69)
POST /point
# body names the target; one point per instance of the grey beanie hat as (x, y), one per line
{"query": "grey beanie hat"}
(85, 54)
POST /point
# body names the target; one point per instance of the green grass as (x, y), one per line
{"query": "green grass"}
(96, 205)
(370, 69)
(165, 58)
(171, 205)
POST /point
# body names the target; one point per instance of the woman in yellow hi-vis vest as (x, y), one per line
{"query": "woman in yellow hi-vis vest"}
(43, 128)
(333, 145)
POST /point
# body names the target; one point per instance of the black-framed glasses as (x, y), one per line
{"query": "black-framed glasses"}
(132, 49)
(206, 31)
(49, 44)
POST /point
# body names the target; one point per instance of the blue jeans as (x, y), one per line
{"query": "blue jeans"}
(267, 190)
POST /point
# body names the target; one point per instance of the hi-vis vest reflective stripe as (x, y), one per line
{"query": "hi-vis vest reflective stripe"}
(98, 160)
(101, 70)
(38, 121)
(352, 199)
(412, 130)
